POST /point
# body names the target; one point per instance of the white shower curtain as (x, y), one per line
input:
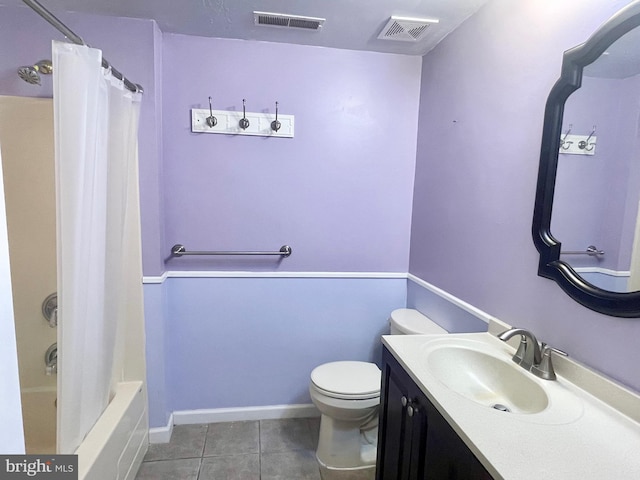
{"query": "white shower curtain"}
(96, 125)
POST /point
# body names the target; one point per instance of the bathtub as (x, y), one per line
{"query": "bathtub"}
(39, 419)
(113, 449)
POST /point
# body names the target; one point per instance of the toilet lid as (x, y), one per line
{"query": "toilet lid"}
(348, 378)
(412, 322)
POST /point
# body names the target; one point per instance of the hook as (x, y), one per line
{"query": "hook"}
(211, 120)
(244, 123)
(583, 144)
(564, 139)
(275, 125)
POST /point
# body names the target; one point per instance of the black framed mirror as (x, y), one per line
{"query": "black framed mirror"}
(590, 168)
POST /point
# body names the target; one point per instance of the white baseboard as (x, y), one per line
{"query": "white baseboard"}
(161, 434)
(216, 415)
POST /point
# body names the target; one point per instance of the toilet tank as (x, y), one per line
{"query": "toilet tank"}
(407, 321)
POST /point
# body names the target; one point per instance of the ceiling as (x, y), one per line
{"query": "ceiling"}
(350, 24)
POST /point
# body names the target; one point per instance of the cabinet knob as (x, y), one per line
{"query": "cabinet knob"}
(404, 401)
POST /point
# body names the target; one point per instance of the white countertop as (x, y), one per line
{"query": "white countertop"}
(578, 436)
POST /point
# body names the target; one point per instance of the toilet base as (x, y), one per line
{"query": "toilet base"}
(358, 473)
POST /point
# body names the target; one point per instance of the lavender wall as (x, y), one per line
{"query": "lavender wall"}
(339, 193)
(481, 109)
(17, 28)
(241, 342)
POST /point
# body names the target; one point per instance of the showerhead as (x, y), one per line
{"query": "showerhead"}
(31, 73)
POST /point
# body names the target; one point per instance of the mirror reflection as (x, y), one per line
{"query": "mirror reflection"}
(595, 209)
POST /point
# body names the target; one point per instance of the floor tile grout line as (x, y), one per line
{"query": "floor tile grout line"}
(206, 430)
(259, 449)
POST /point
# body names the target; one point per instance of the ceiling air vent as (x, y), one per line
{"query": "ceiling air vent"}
(287, 21)
(406, 29)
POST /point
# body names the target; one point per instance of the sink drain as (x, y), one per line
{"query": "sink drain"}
(501, 407)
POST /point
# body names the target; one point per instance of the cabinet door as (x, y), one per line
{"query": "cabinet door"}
(420, 424)
(394, 432)
(446, 455)
(415, 442)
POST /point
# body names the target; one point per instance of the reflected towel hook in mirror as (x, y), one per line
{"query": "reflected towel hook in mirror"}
(275, 125)
(585, 143)
(244, 123)
(211, 120)
(564, 141)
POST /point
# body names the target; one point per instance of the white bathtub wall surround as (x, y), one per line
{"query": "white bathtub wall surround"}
(31, 225)
(39, 417)
(32, 246)
(589, 429)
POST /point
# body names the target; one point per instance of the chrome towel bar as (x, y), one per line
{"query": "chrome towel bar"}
(591, 250)
(180, 250)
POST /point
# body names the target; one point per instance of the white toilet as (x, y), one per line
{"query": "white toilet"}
(347, 394)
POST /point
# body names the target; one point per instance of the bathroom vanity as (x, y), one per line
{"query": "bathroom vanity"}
(416, 442)
(457, 407)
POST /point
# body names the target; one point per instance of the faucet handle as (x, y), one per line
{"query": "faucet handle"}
(545, 369)
(528, 353)
(518, 357)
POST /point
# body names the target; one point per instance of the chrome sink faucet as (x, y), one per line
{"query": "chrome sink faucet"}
(529, 354)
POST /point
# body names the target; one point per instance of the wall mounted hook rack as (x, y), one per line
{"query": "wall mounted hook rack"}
(231, 122)
(571, 144)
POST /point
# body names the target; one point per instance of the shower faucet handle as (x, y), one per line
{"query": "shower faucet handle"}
(51, 360)
(50, 309)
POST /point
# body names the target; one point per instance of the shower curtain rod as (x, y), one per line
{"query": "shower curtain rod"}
(72, 37)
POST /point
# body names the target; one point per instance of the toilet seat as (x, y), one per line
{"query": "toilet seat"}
(349, 380)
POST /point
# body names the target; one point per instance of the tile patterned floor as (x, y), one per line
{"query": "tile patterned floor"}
(253, 450)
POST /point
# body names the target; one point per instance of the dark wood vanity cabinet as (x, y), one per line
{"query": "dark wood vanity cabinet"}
(414, 441)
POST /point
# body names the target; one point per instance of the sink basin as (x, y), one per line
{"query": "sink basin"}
(485, 378)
